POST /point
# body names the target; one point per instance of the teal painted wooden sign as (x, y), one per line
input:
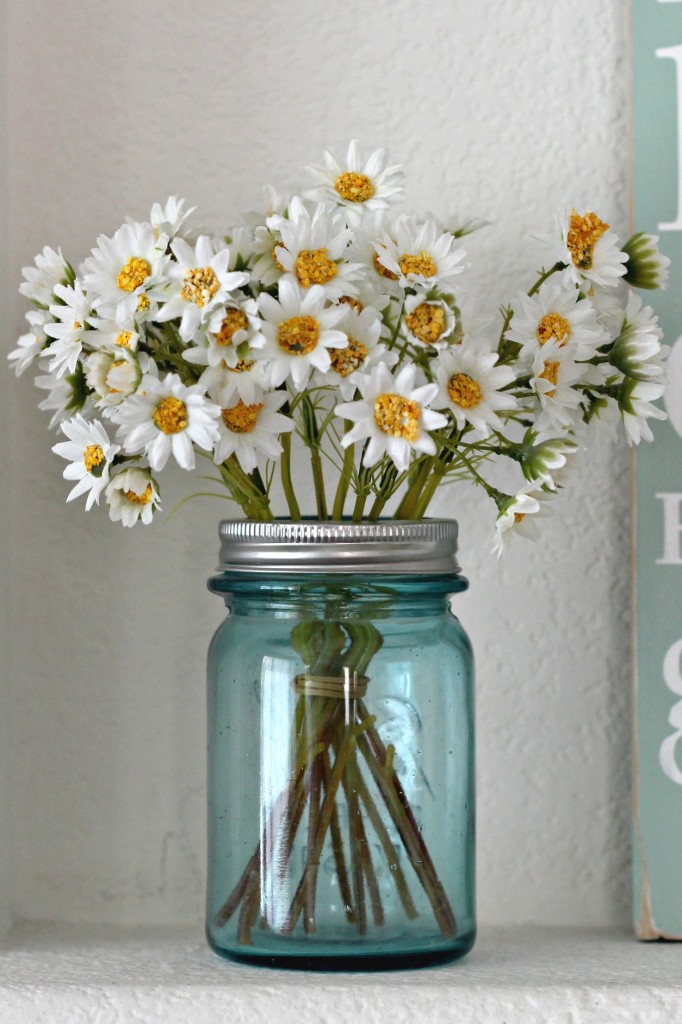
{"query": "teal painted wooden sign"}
(657, 793)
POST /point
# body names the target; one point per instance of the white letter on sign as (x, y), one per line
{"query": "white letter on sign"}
(675, 53)
(672, 529)
(673, 680)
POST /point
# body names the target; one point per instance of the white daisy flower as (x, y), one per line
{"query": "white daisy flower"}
(420, 255)
(515, 516)
(429, 322)
(169, 218)
(470, 386)
(556, 313)
(394, 414)
(634, 401)
(363, 329)
(132, 495)
(299, 330)
(590, 250)
(113, 376)
(244, 381)
(231, 333)
(554, 374)
(200, 282)
(248, 430)
(312, 249)
(358, 185)
(40, 280)
(165, 417)
(90, 453)
(32, 343)
(647, 266)
(127, 272)
(113, 335)
(68, 328)
(636, 348)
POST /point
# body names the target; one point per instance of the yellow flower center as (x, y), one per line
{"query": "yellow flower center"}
(583, 235)
(354, 187)
(382, 270)
(553, 326)
(427, 322)
(77, 325)
(200, 286)
(355, 304)
(133, 274)
(93, 456)
(243, 366)
(241, 419)
(170, 415)
(346, 360)
(140, 499)
(298, 335)
(519, 517)
(465, 391)
(143, 303)
(123, 339)
(397, 416)
(233, 321)
(417, 263)
(313, 266)
(551, 373)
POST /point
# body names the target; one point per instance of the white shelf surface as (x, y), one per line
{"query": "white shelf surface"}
(53, 974)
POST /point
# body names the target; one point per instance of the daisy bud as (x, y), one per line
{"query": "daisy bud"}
(635, 349)
(540, 461)
(647, 267)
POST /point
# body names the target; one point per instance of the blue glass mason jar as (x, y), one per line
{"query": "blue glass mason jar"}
(341, 748)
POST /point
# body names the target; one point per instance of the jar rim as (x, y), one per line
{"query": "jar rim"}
(387, 547)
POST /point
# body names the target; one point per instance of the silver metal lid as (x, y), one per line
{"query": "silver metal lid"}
(391, 547)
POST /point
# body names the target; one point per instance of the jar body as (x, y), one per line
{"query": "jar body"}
(341, 772)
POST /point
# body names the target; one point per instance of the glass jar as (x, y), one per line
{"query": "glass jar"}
(341, 748)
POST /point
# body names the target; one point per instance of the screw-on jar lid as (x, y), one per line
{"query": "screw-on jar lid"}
(390, 547)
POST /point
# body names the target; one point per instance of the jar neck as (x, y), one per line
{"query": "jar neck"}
(337, 596)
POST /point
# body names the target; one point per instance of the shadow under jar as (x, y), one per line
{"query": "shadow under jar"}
(341, 748)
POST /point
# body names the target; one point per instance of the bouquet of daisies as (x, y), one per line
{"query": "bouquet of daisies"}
(337, 322)
(336, 326)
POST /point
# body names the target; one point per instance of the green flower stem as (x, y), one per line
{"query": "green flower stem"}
(543, 277)
(355, 838)
(285, 471)
(318, 480)
(337, 846)
(256, 503)
(439, 470)
(313, 794)
(359, 506)
(406, 508)
(387, 846)
(362, 846)
(344, 478)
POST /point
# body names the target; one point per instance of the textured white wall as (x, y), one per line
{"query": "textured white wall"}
(503, 108)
